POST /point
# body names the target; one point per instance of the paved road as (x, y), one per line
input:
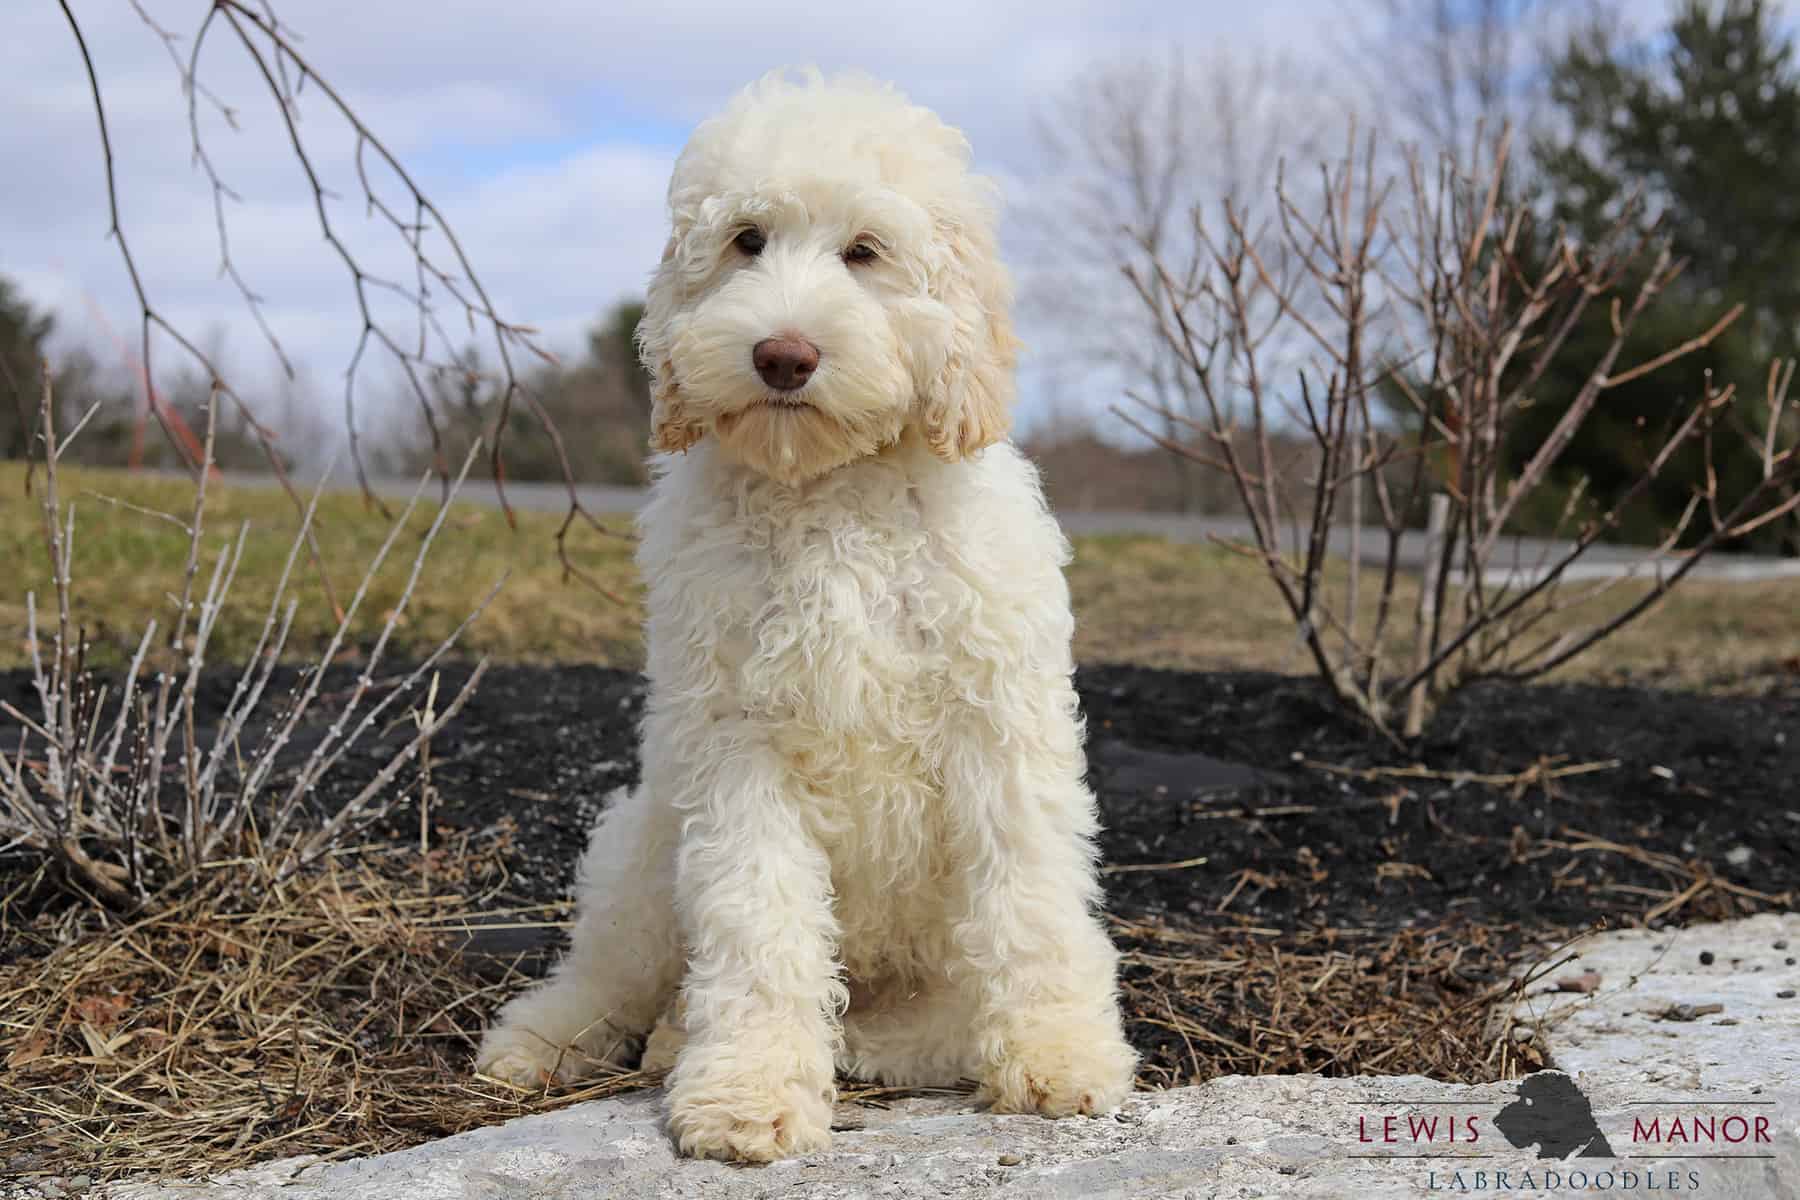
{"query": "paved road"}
(1517, 557)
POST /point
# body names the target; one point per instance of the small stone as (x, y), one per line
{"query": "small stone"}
(1739, 856)
(1010, 1160)
(1781, 945)
(1706, 958)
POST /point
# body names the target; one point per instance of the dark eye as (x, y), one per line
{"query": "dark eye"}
(862, 252)
(751, 242)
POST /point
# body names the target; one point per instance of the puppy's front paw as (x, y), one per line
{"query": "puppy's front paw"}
(1060, 1071)
(747, 1116)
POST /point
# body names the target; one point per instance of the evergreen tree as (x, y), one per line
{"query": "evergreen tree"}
(613, 344)
(600, 406)
(24, 334)
(1700, 133)
(1706, 132)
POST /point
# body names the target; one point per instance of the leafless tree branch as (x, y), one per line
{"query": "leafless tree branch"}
(291, 79)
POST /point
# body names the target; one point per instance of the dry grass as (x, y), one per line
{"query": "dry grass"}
(328, 1015)
(334, 1015)
(1250, 1001)
(1137, 599)
(129, 565)
(1208, 1000)
(1160, 604)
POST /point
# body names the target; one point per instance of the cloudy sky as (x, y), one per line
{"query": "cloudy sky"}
(544, 131)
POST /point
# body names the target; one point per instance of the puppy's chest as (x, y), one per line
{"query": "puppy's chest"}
(845, 627)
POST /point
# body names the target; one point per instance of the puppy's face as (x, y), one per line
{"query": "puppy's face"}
(830, 281)
(805, 329)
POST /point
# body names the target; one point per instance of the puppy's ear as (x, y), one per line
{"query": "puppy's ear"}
(672, 426)
(969, 404)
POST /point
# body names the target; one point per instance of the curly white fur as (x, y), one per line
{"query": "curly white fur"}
(862, 841)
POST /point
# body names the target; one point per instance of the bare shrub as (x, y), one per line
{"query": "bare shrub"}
(1428, 325)
(86, 783)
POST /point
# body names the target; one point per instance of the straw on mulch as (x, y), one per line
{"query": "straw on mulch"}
(1253, 1001)
(332, 1015)
(326, 1015)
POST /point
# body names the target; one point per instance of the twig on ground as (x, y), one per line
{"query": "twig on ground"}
(1122, 868)
(1540, 773)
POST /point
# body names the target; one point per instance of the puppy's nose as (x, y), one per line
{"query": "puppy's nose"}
(785, 363)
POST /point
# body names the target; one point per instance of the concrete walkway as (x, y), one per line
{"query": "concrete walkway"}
(1665, 1095)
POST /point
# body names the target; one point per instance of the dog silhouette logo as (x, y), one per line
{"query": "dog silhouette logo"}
(1552, 1114)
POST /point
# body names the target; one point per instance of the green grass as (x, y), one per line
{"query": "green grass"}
(1137, 599)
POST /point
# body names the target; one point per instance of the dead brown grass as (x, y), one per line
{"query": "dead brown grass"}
(334, 1015)
(1137, 599)
(1218, 1001)
(328, 1015)
(1158, 603)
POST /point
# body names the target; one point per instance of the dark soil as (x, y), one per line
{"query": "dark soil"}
(1352, 835)
(1257, 773)
(1525, 813)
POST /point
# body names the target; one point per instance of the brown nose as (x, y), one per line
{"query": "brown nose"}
(785, 363)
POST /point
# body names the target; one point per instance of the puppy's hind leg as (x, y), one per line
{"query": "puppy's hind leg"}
(666, 1040)
(623, 962)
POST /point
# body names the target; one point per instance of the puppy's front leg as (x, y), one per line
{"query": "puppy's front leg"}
(1035, 957)
(763, 995)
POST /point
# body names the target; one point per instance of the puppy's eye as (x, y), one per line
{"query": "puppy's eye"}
(751, 242)
(862, 252)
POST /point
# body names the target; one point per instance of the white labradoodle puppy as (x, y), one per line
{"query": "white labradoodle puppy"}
(862, 841)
